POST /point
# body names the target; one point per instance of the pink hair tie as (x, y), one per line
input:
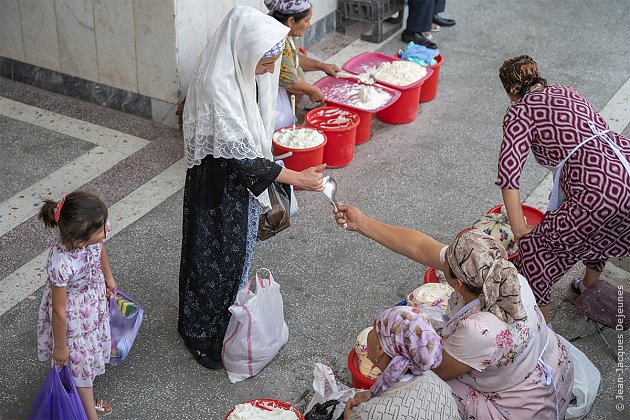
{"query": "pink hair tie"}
(58, 208)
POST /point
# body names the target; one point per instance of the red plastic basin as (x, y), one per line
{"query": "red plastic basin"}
(429, 88)
(403, 110)
(340, 127)
(330, 86)
(532, 214)
(301, 158)
(430, 276)
(358, 380)
(263, 403)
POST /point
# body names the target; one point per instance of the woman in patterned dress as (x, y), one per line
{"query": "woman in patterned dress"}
(588, 218)
(228, 124)
(296, 15)
(498, 356)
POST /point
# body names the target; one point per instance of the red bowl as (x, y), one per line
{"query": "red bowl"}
(532, 214)
(265, 403)
(358, 380)
(430, 276)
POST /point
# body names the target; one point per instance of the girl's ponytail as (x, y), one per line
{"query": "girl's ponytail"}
(47, 213)
(78, 216)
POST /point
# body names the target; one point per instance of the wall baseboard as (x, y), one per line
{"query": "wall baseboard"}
(115, 98)
(76, 87)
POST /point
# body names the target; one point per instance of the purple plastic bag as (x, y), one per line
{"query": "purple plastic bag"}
(58, 398)
(124, 328)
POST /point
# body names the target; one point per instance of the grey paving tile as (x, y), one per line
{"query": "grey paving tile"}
(30, 153)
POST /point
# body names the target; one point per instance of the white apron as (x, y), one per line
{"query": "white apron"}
(557, 196)
(284, 113)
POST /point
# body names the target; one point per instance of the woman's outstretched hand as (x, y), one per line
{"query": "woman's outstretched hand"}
(311, 178)
(348, 216)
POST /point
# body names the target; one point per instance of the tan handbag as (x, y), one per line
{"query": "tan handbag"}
(277, 218)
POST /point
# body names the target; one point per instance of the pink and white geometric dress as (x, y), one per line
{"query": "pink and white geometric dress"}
(87, 311)
(593, 223)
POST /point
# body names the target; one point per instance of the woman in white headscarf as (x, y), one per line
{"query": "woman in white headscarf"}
(228, 123)
(296, 16)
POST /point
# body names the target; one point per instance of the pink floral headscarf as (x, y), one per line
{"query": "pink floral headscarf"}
(406, 335)
(288, 7)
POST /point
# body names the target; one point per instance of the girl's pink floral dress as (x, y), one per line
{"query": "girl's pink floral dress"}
(87, 311)
(507, 381)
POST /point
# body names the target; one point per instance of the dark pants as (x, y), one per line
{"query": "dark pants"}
(421, 14)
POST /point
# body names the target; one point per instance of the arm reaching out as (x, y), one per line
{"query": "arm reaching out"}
(408, 242)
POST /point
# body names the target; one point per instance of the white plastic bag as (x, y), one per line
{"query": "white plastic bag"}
(257, 330)
(284, 113)
(327, 388)
(586, 381)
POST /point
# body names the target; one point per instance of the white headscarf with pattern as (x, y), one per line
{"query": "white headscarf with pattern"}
(221, 116)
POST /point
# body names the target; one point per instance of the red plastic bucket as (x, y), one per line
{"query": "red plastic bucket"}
(358, 380)
(532, 214)
(340, 135)
(430, 276)
(429, 88)
(265, 403)
(301, 158)
(365, 124)
(330, 85)
(404, 110)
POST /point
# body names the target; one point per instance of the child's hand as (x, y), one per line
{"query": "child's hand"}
(60, 355)
(110, 284)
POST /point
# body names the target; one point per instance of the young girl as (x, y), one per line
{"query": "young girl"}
(73, 326)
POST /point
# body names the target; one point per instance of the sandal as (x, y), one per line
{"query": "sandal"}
(577, 286)
(103, 407)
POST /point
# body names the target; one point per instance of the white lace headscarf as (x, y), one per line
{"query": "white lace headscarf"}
(221, 116)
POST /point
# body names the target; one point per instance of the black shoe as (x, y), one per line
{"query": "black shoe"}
(419, 39)
(209, 361)
(439, 20)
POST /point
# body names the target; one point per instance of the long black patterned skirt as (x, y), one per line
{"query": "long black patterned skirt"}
(214, 238)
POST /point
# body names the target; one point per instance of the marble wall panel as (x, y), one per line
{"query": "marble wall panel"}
(154, 23)
(322, 8)
(11, 30)
(115, 43)
(77, 39)
(39, 33)
(216, 13)
(164, 113)
(192, 36)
